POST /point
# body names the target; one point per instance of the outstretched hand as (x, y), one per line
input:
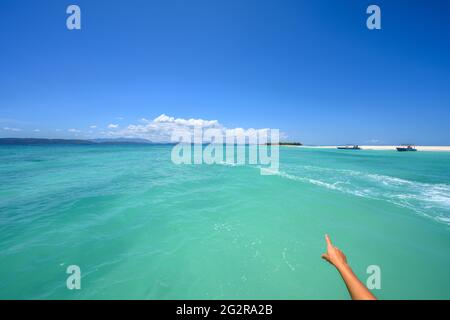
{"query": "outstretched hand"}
(333, 255)
(356, 288)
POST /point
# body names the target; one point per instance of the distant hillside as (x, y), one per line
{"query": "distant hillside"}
(121, 140)
(36, 141)
(39, 141)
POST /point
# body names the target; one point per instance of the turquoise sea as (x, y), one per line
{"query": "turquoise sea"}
(141, 227)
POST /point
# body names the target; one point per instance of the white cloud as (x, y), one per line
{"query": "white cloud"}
(162, 127)
(12, 129)
(113, 126)
(186, 122)
(37, 130)
(73, 130)
(93, 126)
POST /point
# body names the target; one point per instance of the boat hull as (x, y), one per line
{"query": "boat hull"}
(406, 149)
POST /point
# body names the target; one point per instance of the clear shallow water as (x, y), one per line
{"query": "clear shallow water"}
(141, 227)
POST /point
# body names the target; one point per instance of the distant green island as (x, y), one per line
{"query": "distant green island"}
(285, 144)
(44, 141)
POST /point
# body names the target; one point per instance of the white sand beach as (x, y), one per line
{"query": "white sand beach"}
(419, 148)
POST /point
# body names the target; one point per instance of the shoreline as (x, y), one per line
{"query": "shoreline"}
(392, 148)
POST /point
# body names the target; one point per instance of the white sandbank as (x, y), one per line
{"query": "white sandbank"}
(419, 148)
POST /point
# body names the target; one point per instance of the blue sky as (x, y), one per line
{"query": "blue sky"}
(310, 68)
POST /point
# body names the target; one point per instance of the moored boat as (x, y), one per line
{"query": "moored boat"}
(355, 147)
(406, 148)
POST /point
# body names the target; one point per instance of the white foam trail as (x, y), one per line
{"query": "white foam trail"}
(431, 200)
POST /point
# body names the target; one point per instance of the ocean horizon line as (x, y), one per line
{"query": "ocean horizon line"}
(142, 141)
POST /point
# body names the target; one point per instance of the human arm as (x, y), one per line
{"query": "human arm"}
(356, 289)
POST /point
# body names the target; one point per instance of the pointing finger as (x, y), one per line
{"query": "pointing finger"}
(327, 239)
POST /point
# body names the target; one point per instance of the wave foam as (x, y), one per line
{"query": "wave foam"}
(431, 200)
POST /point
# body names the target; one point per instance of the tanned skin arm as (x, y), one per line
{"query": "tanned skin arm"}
(355, 287)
